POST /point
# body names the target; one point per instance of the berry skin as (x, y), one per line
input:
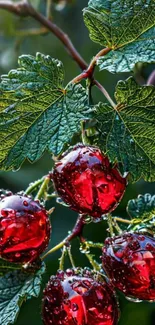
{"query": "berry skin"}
(24, 229)
(129, 261)
(85, 180)
(79, 299)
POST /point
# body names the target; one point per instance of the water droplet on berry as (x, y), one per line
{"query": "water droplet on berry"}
(87, 183)
(129, 260)
(87, 302)
(109, 177)
(25, 203)
(69, 272)
(149, 246)
(87, 219)
(74, 307)
(4, 213)
(60, 274)
(134, 244)
(24, 229)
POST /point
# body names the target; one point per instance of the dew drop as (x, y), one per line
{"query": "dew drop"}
(74, 307)
(25, 203)
(133, 299)
(109, 177)
(4, 213)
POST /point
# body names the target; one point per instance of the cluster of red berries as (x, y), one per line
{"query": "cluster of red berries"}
(71, 298)
(86, 181)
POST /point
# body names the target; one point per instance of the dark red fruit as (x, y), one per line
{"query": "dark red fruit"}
(79, 299)
(24, 229)
(85, 180)
(129, 261)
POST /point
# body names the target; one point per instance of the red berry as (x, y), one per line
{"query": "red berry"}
(24, 229)
(79, 299)
(85, 180)
(129, 261)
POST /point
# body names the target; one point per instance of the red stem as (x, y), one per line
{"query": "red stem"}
(77, 230)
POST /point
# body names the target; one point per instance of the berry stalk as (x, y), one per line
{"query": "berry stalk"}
(77, 231)
(96, 266)
(43, 189)
(33, 186)
(62, 258)
(88, 73)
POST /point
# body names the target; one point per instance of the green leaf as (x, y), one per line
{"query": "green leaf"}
(141, 207)
(127, 27)
(15, 288)
(127, 134)
(6, 267)
(142, 212)
(36, 112)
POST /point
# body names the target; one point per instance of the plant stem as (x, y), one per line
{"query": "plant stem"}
(118, 229)
(110, 224)
(85, 140)
(105, 93)
(43, 188)
(129, 222)
(77, 231)
(70, 256)
(32, 187)
(94, 245)
(24, 9)
(61, 36)
(51, 196)
(88, 73)
(94, 264)
(62, 258)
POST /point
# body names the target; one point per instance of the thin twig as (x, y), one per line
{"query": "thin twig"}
(24, 8)
(20, 8)
(106, 94)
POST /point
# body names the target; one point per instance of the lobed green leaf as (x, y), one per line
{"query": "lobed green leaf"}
(15, 288)
(36, 112)
(127, 27)
(127, 133)
(141, 206)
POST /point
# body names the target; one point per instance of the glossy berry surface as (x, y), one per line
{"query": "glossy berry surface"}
(85, 180)
(24, 229)
(71, 299)
(129, 261)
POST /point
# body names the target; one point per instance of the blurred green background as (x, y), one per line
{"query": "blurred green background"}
(13, 44)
